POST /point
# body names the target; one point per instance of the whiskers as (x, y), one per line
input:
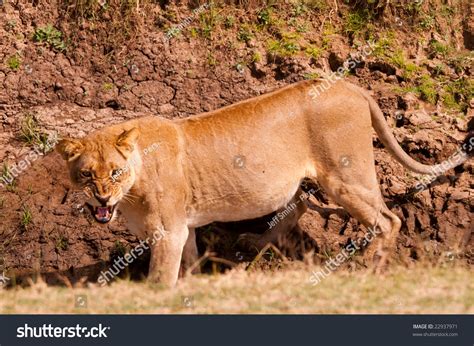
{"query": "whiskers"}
(130, 198)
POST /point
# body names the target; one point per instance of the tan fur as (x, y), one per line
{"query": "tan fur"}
(239, 162)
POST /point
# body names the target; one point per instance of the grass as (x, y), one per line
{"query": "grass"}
(358, 22)
(62, 243)
(245, 34)
(50, 36)
(456, 94)
(427, 290)
(107, 86)
(287, 46)
(14, 62)
(399, 60)
(208, 21)
(7, 177)
(26, 218)
(31, 134)
(439, 49)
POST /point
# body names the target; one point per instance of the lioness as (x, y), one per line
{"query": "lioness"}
(239, 162)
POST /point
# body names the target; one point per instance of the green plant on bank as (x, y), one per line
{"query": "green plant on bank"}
(311, 75)
(381, 47)
(358, 22)
(30, 132)
(438, 48)
(211, 60)
(457, 94)
(14, 62)
(26, 218)
(328, 31)
(62, 243)
(208, 21)
(448, 11)
(286, 46)
(314, 52)
(11, 24)
(427, 22)
(256, 57)
(107, 86)
(301, 28)
(461, 61)
(398, 59)
(425, 88)
(414, 7)
(314, 5)
(229, 22)
(7, 178)
(194, 32)
(245, 33)
(264, 16)
(51, 36)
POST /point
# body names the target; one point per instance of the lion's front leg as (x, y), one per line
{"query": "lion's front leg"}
(166, 255)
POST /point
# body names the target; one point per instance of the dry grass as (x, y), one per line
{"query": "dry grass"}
(419, 290)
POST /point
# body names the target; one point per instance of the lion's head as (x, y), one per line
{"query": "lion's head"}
(103, 166)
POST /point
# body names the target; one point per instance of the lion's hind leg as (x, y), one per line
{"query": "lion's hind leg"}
(365, 203)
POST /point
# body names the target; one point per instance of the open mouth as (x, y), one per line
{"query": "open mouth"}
(102, 214)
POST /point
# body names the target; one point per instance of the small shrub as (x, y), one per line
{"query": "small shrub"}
(31, 134)
(14, 62)
(51, 36)
(26, 218)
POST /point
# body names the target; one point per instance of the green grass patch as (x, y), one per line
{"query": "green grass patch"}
(26, 218)
(51, 36)
(457, 94)
(31, 134)
(438, 48)
(445, 289)
(398, 59)
(358, 22)
(14, 62)
(286, 46)
(7, 178)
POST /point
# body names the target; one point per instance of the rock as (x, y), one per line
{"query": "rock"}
(408, 101)
(166, 109)
(419, 118)
(338, 53)
(391, 79)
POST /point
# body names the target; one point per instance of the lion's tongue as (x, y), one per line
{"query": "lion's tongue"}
(102, 213)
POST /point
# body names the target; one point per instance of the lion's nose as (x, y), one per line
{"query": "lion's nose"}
(102, 199)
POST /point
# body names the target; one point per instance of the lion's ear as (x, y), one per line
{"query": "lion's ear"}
(70, 149)
(128, 139)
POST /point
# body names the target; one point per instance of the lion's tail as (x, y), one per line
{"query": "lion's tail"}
(386, 136)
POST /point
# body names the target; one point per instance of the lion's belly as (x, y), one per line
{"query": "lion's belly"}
(242, 205)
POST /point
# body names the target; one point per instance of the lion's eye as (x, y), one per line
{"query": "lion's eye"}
(85, 174)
